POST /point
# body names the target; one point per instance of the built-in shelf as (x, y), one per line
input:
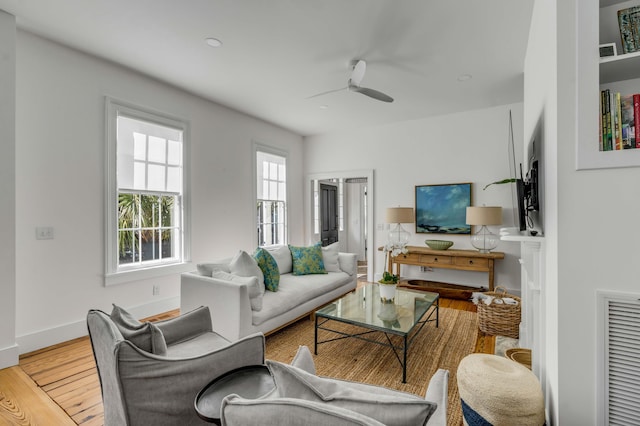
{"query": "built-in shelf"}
(620, 67)
(513, 234)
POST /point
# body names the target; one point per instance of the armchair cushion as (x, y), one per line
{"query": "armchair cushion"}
(237, 411)
(387, 406)
(186, 326)
(303, 360)
(144, 335)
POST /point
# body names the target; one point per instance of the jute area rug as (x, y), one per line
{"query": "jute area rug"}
(359, 361)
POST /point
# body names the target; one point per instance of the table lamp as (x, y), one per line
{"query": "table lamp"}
(484, 240)
(398, 236)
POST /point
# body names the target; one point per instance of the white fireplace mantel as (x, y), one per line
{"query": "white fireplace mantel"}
(532, 295)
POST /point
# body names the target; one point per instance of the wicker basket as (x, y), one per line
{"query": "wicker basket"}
(499, 319)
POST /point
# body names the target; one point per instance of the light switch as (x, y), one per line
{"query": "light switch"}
(44, 233)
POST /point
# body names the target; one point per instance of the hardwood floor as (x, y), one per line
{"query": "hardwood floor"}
(59, 385)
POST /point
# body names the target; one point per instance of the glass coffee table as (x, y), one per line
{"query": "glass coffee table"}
(363, 308)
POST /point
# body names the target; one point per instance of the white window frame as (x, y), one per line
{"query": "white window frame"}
(113, 273)
(258, 147)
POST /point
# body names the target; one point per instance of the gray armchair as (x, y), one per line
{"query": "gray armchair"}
(303, 398)
(157, 385)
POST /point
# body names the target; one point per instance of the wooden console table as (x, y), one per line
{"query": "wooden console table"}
(463, 260)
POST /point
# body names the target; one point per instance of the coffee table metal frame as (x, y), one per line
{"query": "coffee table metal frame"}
(323, 316)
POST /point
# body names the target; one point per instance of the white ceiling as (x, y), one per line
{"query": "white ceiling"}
(277, 53)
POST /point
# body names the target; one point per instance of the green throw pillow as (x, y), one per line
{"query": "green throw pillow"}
(269, 269)
(307, 260)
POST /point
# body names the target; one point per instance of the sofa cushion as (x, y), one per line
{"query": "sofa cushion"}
(144, 335)
(244, 265)
(282, 255)
(207, 268)
(256, 290)
(294, 290)
(307, 260)
(330, 257)
(269, 268)
(387, 406)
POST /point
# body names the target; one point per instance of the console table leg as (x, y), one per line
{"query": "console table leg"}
(491, 274)
(315, 336)
(404, 363)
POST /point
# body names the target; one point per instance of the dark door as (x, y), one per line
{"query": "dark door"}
(328, 214)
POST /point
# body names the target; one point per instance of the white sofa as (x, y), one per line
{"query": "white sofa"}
(234, 315)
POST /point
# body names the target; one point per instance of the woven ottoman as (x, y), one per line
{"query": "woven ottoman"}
(498, 391)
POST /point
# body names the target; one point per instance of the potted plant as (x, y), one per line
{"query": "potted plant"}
(388, 285)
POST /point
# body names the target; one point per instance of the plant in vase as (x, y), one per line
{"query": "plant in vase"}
(388, 285)
(389, 280)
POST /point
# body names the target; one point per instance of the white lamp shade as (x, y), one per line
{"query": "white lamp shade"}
(400, 215)
(484, 215)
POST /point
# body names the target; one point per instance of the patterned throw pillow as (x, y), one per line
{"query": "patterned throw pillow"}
(307, 260)
(269, 269)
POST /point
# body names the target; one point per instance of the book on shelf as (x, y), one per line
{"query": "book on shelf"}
(629, 24)
(627, 122)
(619, 128)
(605, 100)
(636, 115)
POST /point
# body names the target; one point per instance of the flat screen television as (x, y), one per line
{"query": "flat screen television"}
(528, 195)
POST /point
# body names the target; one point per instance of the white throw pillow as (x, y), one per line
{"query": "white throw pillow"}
(256, 290)
(330, 257)
(244, 265)
(206, 269)
(282, 255)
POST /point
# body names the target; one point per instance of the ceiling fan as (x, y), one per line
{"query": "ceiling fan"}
(353, 84)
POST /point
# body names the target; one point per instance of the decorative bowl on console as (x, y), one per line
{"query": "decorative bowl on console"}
(438, 244)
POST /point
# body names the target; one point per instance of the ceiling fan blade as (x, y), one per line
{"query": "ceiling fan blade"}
(327, 92)
(357, 74)
(372, 93)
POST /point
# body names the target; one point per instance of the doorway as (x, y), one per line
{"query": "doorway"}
(329, 218)
(353, 216)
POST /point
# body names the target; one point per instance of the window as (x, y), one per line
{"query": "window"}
(146, 196)
(271, 194)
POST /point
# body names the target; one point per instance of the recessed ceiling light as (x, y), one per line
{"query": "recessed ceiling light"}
(324, 106)
(213, 42)
(464, 77)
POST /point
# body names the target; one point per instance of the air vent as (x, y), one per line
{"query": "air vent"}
(622, 362)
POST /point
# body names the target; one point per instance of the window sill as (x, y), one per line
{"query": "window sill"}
(142, 274)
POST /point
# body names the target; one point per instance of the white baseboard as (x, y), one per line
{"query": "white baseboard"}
(9, 356)
(62, 333)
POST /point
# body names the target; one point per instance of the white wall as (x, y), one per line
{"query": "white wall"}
(590, 238)
(8, 348)
(465, 147)
(60, 183)
(540, 123)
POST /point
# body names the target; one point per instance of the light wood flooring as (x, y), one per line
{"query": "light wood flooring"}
(59, 385)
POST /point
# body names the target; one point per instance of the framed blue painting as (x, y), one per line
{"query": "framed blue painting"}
(442, 209)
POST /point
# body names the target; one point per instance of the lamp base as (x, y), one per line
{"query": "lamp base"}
(484, 240)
